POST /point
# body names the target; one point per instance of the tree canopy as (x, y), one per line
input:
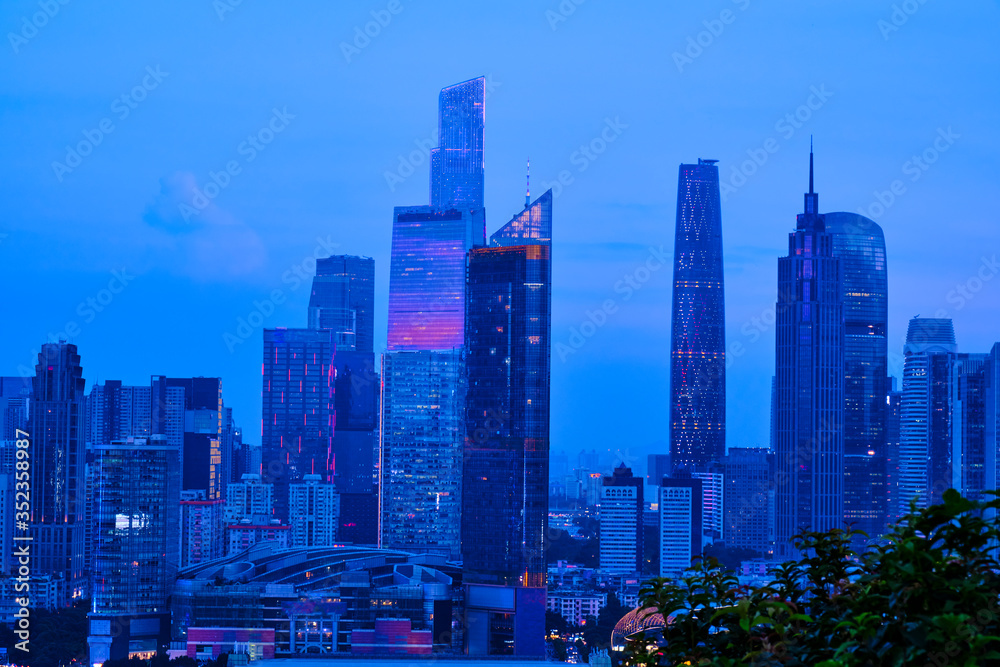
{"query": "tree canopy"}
(927, 594)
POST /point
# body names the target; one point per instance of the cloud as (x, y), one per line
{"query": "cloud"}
(198, 239)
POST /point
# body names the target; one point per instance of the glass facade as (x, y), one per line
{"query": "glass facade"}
(427, 276)
(297, 410)
(457, 163)
(137, 526)
(860, 245)
(342, 299)
(925, 461)
(969, 429)
(422, 433)
(747, 479)
(58, 460)
(809, 382)
(698, 322)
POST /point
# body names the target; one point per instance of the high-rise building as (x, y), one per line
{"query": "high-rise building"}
(680, 529)
(698, 321)
(860, 245)
(15, 395)
(423, 371)
(117, 412)
(657, 467)
(297, 410)
(925, 457)
(249, 499)
(621, 523)
(423, 429)
(968, 426)
(314, 508)
(508, 342)
(137, 551)
(712, 502)
(809, 382)
(748, 485)
(457, 166)
(343, 299)
(893, 403)
(991, 419)
(58, 460)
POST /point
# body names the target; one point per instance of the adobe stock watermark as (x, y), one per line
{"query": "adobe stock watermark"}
(915, 168)
(629, 284)
(122, 106)
(297, 274)
(586, 154)
(901, 13)
(786, 126)
(223, 7)
(37, 21)
(249, 148)
(696, 44)
(407, 164)
(562, 12)
(363, 35)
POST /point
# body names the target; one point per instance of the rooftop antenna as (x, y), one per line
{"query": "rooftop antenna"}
(527, 192)
(810, 164)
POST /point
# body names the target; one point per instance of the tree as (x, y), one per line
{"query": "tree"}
(56, 637)
(597, 632)
(929, 594)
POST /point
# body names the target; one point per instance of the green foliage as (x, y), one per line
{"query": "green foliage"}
(597, 631)
(56, 637)
(928, 595)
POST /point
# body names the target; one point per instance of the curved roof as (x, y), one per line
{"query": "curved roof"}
(637, 620)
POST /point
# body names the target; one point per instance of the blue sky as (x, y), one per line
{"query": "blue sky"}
(164, 95)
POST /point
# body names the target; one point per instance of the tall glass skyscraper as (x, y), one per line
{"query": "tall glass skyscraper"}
(58, 459)
(457, 163)
(969, 424)
(809, 382)
(423, 389)
(925, 457)
(860, 245)
(508, 341)
(342, 300)
(698, 322)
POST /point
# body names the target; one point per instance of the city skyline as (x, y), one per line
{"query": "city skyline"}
(935, 222)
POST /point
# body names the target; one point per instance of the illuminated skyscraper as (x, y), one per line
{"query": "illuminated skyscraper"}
(809, 382)
(58, 459)
(698, 322)
(622, 530)
(969, 424)
(508, 343)
(457, 162)
(925, 442)
(860, 245)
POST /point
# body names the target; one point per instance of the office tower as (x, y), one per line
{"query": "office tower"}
(117, 412)
(680, 529)
(892, 433)
(991, 418)
(58, 459)
(747, 478)
(297, 409)
(860, 245)
(621, 523)
(314, 508)
(342, 300)
(508, 322)
(137, 553)
(230, 443)
(15, 395)
(809, 382)
(457, 163)
(202, 527)
(968, 427)
(422, 434)
(712, 505)
(657, 467)
(698, 321)
(925, 461)
(356, 388)
(423, 392)
(250, 500)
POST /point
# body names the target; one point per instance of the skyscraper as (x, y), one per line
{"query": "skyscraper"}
(680, 526)
(457, 163)
(343, 299)
(314, 510)
(893, 404)
(297, 410)
(423, 387)
(991, 419)
(925, 460)
(508, 342)
(969, 424)
(137, 552)
(58, 459)
(117, 412)
(698, 321)
(809, 381)
(860, 245)
(621, 523)
(748, 479)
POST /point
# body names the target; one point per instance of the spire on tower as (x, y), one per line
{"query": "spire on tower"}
(812, 199)
(527, 192)
(810, 164)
